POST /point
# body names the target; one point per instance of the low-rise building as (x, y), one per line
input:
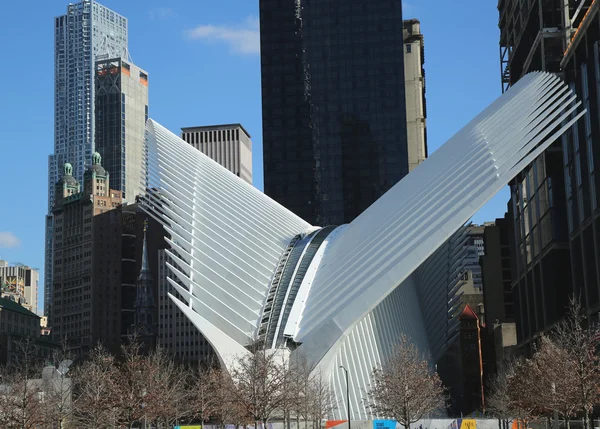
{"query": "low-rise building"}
(44, 329)
(17, 326)
(20, 284)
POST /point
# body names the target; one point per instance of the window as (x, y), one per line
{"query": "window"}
(408, 49)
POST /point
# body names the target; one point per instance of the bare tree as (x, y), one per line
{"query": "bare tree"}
(24, 394)
(95, 390)
(57, 387)
(227, 406)
(322, 399)
(562, 376)
(581, 344)
(302, 379)
(165, 387)
(206, 392)
(406, 388)
(498, 402)
(310, 396)
(290, 392)
(522, 388)
(259, 381)
(554, 370)
(131, 384)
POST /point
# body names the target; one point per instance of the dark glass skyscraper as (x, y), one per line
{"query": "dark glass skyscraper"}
(120, 118)
(334, 116)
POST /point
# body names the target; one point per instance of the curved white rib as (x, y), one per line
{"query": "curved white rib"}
(225, 235)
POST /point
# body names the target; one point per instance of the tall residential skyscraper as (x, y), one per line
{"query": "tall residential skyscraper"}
(121, 110)
(228, 144)
(333, 100)
(87, 30)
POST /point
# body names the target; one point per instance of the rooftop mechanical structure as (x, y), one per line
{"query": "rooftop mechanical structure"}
(250, 270)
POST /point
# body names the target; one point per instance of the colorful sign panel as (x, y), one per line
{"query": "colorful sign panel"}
(384, 424)
(463, 424)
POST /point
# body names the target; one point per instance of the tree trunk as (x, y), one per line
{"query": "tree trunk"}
(586, 419)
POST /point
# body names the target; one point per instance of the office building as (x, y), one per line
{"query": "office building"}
(87, 30)
(16, 319)
(475, 244)
(471, 398)
(466, 307)
(553, 200)
(82, 301)
(337, 295)
(117, 251)
(499, 332)
(121, 110)
(469, 285)
(20, 283)
(177, 335)
(496, 273)
(44, 329)
(333, 105)
(580, 65)
(416, 107)
(18, 324)
(229, 145)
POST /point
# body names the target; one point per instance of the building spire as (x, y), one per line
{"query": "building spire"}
(145, 271)
(145, 308)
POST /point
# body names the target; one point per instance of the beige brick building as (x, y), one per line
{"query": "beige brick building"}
(416, 108)
(71, 314)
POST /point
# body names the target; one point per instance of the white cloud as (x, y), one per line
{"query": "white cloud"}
(8, 239)
(161, 13)
(243, 39)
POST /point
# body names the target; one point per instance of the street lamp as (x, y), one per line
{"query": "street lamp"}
(347, 393)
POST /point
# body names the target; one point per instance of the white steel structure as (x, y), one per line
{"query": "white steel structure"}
(251, 270)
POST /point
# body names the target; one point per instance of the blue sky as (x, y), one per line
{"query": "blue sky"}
(202, 58)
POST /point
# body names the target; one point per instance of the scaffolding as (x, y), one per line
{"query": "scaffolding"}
(533, 36)
(580, 20)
